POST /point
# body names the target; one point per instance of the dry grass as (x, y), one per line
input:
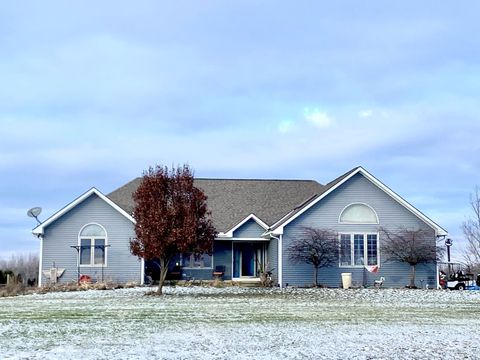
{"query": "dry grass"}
(18, 289)
(14, 290)
(73, 286)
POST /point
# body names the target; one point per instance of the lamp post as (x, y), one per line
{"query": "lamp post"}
(448, 244)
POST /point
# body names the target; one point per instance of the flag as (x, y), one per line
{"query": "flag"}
(372, 268)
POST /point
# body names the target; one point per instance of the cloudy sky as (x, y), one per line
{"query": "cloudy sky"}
(93, 92)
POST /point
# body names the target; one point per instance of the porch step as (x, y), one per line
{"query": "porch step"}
(249, 283)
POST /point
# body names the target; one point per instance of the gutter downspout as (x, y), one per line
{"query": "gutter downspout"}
(39, 284)
(280, 260)
(437, 280)
(142, 271)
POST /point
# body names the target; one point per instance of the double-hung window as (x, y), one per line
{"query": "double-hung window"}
(358, 249)
(93, 243)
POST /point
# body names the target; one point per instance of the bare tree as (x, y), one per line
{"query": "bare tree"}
(410, 246)
(25, 265)
(471, 230)
(318, 247)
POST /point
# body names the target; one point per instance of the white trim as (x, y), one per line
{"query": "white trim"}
(358, 223)
(142, 271)
(92, 223)
(352, 248)
(280, 260)
(244, 239)
(223, 239)
(92, 247)
(229, 233)
(438, 229)
(40, 228)
(247, 279)
(40, 262)
(291, 211)
(281, 219)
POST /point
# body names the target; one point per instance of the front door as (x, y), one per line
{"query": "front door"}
(248, 258)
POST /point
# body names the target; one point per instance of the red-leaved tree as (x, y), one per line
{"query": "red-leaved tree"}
(171, 217)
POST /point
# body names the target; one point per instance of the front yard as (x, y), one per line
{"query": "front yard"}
(237, 323)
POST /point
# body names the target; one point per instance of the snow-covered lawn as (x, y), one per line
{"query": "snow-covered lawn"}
(238, 323)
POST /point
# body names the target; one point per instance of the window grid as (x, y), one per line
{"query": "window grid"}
(359, 249)
(345, 250)
(93, 244)
(355, 248)
(372, 249)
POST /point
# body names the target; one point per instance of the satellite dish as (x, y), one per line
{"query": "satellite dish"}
(34, 212)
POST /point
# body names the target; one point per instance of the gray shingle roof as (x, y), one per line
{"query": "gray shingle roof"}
(232, 200)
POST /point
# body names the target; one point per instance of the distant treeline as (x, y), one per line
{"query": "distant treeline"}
(22, 267)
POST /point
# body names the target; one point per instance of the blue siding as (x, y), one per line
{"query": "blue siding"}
(197, 274)
(222, 255)
(63, 233)
(249, 230)
(272, 258)
(325, 215)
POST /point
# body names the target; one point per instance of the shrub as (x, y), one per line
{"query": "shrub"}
(12, 290)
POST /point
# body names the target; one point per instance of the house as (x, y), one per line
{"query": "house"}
(256, 221)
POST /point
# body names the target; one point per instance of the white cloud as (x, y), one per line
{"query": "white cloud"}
(317, 118)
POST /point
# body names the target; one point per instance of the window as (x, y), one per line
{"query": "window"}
(93, 244)
(372, 249)
(356, 247)
(358, 214)
(345, 250)
(191, 260)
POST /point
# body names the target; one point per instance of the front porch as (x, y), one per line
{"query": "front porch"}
(249, 260)
(237, 260)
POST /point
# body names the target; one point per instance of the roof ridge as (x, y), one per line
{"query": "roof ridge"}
(255, 179)
(343, 175)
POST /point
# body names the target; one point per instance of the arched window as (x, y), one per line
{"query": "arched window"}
(358, 214)
(93, 242)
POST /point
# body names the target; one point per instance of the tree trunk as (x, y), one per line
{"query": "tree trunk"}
(163, 274)
(412, 277)
(315, 273)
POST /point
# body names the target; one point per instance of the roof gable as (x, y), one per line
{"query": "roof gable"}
(335, 184)
(39, 230)
(251, 217)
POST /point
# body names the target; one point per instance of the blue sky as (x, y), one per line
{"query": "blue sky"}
(94, 92)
